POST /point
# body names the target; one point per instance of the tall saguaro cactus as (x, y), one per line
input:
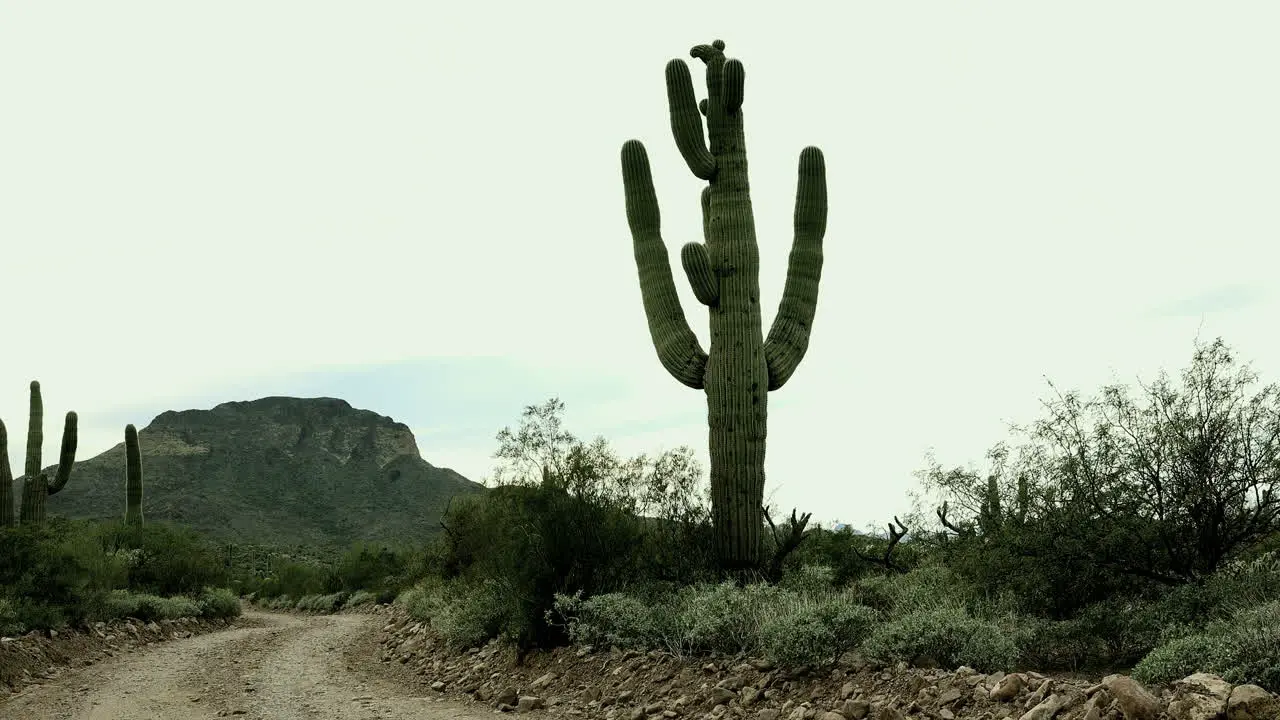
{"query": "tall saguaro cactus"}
(133, 477)
(743, 365)
(36, 487)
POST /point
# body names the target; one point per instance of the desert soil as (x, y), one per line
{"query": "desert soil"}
(271, 666)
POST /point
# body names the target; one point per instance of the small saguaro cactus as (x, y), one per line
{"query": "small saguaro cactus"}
(36, 487)
(743, 365)
(132, 477)
(6, 480)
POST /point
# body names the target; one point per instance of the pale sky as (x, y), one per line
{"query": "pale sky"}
(418, 207)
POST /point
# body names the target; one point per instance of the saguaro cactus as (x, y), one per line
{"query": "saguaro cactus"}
(724, 272)
(6, 480)
(36, 487)
(133, 477)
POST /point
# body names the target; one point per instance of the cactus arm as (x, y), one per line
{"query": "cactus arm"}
(686, 121)
(6, 480)
(734, 77)
(697, 265)
(67, 457)
(789, 337)
(35, 432)
(677, 346)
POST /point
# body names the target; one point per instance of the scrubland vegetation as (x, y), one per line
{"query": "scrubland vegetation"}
(1133, 531)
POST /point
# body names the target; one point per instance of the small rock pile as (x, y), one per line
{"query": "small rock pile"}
(42, 654)
(629, 685)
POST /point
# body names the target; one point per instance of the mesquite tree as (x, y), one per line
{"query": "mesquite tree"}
(743, 365)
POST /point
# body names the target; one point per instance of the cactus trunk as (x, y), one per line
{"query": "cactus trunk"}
(133, 477)
(36, 487)
(742, 365)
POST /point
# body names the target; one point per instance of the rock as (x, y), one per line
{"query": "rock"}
(1135, 701)
(1197, 707)
(637, 713)
(1250, 702)
(767, 714)
(508, 696)
(543, 681)
(733, 682)
(1044, 710)
(855, 709)
(1007, 688)
(438, 686)
(885, 712)
(1204, 684)
(528, 703)
(723, 696)
(747, 696)
(846, 690)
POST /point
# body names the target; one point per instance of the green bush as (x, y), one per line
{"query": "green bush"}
(147, 608)
(615, 619)
(162, 559)
(947, 636)
(218, 603)
(726, 618)
(321, 603)
(9, 621)
(1244, 649)
(475, 612)
(360, 597)
(813, 631)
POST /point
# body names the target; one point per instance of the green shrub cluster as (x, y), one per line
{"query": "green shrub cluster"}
(63, 572)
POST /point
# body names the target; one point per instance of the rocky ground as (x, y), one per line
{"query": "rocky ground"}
(615, 685)
(40, 656)
(379, 663)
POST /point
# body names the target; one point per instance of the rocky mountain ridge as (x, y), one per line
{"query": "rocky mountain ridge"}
(277, 470)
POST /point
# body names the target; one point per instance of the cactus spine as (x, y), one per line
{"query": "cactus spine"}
(36, 487)
(133, 477)
(724, 272)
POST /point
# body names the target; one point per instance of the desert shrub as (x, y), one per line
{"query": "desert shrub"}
(948, 636)
(147, 607)
(808, 579)
(163, 559)
(475, 612)
(54, 573)
(815, 630)
(9, 621)
(928, 586)
(218, 603)
(614, 619)
(424, 599)
(1181, 657)
(297, 579)
(360, 597)
(377, 569)
(725, 617)
(540, 541)
(321, 603)
(1243, 649)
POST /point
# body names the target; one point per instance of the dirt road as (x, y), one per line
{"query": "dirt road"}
(280, 667)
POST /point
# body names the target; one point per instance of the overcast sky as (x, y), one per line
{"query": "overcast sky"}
(418, 207)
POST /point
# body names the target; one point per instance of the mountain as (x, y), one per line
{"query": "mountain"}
(277, 471)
